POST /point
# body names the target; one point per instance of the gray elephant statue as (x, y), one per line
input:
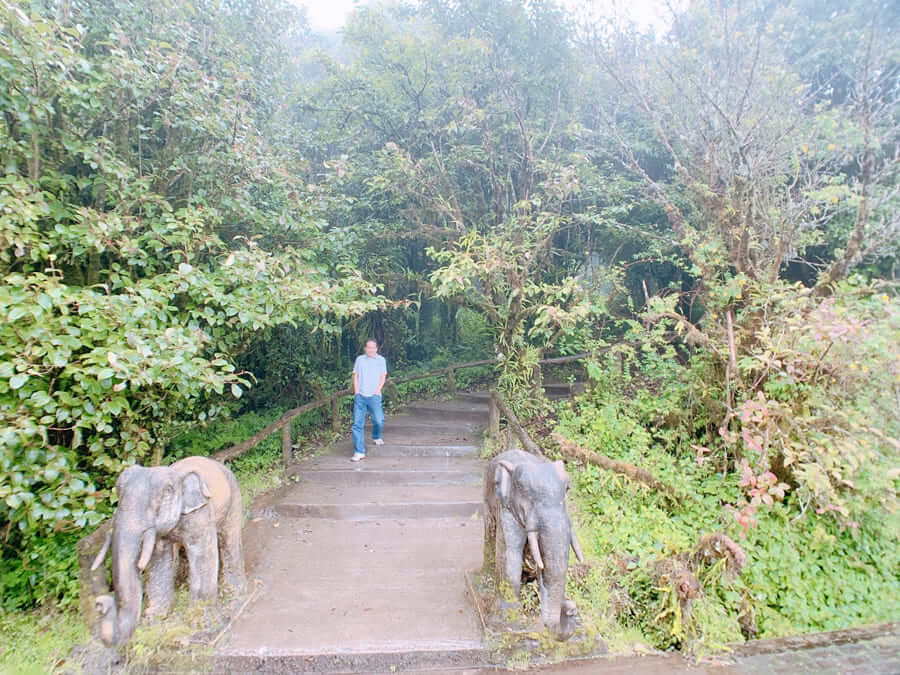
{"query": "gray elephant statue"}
(525, 504)
(196, 504)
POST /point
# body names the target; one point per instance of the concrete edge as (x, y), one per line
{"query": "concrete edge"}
(245, 661)
(813, 640)
(379, 511)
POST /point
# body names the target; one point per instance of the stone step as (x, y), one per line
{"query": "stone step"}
(358, 596)
(481, 397)
(377, 477)
(311, 500)
(389, 470)
(426, 435)
(401, 425)
(475, 414)
(397, 449)
(388, 511)
(376, 461)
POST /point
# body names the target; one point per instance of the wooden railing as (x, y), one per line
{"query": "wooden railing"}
(283, 423)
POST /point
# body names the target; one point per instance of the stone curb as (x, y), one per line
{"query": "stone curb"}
(813, 640)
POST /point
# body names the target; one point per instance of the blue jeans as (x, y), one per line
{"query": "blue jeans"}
(361, 405)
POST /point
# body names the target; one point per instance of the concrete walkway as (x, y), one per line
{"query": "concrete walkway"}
(361, 565)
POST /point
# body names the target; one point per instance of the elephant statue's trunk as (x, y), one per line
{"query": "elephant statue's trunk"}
(558, 613)
(131, 554)
(567, 621)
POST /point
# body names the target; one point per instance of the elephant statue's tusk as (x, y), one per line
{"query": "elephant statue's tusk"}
(148, 542)
(576, 547)
(104, 603)
(535, 550)
(103, 551)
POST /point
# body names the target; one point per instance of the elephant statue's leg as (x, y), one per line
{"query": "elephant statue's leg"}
(510, 549)
(201, 546)
(232, 552)
(544, 595)
(161, 579)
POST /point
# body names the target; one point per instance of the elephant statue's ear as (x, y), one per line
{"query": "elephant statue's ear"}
(561, 472)
(503, 481)
(194, 491)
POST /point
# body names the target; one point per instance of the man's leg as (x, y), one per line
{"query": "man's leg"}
(373, 403)
(359, 424)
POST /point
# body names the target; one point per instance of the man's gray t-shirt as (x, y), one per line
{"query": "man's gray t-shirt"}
(368, 372)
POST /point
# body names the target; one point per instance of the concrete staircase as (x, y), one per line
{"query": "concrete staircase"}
(361, 565)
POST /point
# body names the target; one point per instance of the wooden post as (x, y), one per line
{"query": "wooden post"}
(493, 417)
(393, 394)
(286, 450)
(336, 413)
(92, 582)
(510, 437)
(513, 426)
(451, 381)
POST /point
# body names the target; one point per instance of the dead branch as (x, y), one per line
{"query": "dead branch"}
(635, 473)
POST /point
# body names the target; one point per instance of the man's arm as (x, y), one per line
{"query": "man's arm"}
(355, 383)
(380, 384)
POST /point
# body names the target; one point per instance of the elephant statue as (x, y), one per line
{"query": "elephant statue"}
(525, 504)
(196, 504)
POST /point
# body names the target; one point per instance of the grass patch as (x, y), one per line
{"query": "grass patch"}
(39, 641)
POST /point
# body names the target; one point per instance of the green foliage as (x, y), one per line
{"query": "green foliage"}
(804, 574)
(503, 277)
(517, 384)
(819, 382)
(809, 574)
(45, 571)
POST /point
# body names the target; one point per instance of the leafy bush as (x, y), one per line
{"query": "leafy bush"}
(818, 388)
(44, 571)
(136, 268)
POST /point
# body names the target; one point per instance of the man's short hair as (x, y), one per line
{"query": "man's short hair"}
(371, 339)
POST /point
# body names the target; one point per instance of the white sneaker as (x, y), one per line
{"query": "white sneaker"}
(378, 441)
(357, 456)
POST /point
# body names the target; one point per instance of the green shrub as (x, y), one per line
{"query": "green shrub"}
(43, 573)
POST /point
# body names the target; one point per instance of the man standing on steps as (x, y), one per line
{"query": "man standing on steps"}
(369, 374)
